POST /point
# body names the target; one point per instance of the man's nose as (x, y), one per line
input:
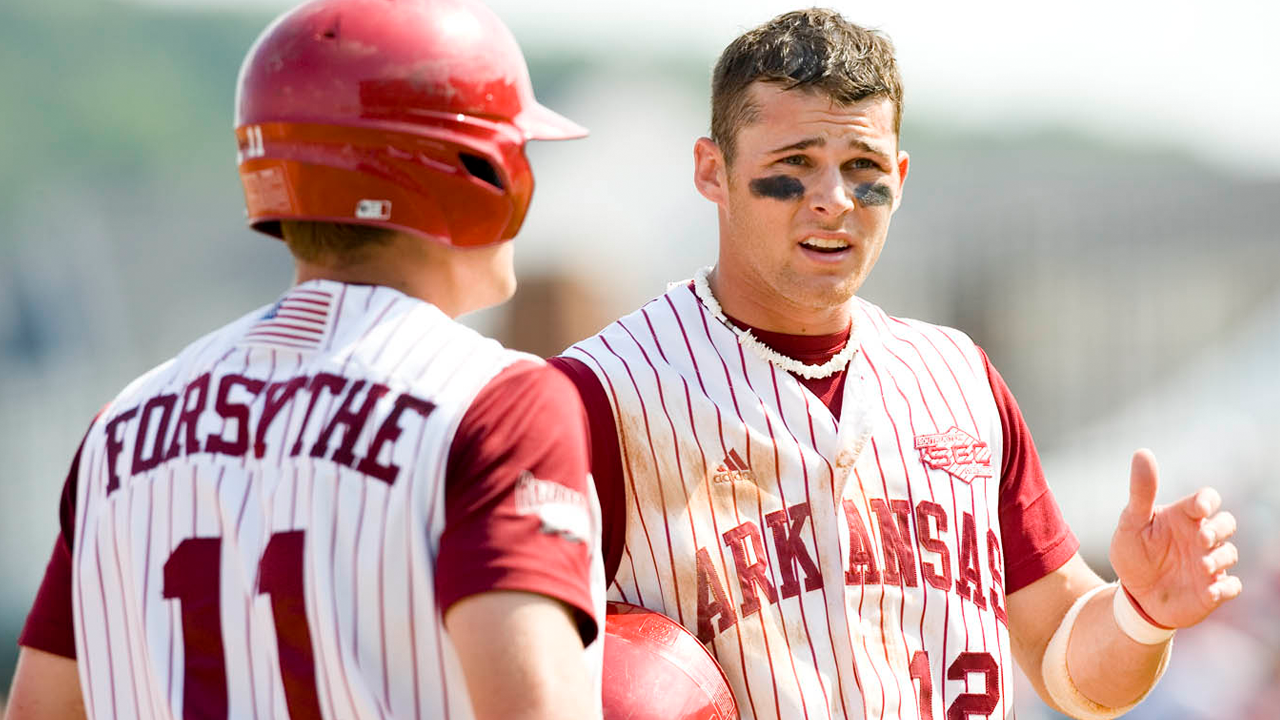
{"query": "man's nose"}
(830, 194)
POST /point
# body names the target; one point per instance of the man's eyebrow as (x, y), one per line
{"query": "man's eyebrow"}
(868, 147)
(857, 143)
(802, 145)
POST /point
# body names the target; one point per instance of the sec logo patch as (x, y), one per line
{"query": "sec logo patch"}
(957, 452)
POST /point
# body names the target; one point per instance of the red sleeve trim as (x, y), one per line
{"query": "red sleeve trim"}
(1036, 538)
(1032, 568)
(606, 460)
(50, 625)
(517, 513)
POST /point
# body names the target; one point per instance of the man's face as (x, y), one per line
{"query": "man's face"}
(805, 205)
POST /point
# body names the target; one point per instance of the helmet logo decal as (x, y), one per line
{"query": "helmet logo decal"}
(267, 190)
(373, 209)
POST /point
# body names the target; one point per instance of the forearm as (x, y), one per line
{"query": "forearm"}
(45, 687)
(1106, 665)
(522, 658)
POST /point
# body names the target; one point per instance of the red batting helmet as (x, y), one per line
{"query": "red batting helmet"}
(405, 114)
(654, 669)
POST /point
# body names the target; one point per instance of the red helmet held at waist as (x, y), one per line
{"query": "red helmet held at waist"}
(654, 669)
(405, 114)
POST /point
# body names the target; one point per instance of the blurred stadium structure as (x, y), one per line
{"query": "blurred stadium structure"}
(1129, 295)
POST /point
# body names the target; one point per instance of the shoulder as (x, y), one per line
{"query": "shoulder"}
(524, 373)
(527, 406)
(929, 341)
(411, 346)
(660, 334)
(875, 321)
(524, 388)
(499, 371)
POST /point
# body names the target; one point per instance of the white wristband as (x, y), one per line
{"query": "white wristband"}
(1133, 624)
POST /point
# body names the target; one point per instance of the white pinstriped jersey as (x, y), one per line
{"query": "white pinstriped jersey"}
(846, 569)
(259, 518)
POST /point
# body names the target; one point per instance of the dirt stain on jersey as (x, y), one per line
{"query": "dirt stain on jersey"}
(643, 477)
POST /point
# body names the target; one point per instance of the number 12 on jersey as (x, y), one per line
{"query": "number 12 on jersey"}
(191, 578)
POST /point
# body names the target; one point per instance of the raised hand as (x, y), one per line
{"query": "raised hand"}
(1174, 558)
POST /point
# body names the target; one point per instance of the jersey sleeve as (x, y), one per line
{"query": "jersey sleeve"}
(1036, 538)
(518, 514)
(606, 460)
(50, 624)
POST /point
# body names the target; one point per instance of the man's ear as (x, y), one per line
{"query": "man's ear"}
(904, 161)
(710, 172)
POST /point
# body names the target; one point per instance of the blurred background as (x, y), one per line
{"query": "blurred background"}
(1094, 196)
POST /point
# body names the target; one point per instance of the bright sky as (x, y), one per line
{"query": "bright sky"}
(1199, 75)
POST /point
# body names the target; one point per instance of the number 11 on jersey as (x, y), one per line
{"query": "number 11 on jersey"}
(204, 684)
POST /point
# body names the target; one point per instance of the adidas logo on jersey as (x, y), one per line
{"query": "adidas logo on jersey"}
(733, 468)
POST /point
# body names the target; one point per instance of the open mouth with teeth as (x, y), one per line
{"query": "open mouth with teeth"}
(824, 245)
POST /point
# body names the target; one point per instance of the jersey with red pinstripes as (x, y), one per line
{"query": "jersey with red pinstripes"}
(848, 568)
(258, 522)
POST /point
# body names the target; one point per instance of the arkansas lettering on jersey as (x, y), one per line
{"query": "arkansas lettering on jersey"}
(259, 522)
(847, 568)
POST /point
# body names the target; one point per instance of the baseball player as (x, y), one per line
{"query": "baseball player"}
(846, 507)
(344, 504)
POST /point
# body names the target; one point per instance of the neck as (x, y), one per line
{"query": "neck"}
(835, 364)
(370, 275)
(755, 304)
(455, 280)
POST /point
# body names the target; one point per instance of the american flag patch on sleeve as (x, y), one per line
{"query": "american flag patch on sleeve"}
(300, 320)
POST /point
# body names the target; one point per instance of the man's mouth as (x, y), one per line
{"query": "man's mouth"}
(825, 245)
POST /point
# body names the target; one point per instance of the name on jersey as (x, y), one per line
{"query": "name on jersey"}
(247, 417)
(947, 558)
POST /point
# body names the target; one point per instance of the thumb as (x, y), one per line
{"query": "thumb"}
(1143, 483)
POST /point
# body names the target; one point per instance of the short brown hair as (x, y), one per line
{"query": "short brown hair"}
(813, 49)
(326, 242)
